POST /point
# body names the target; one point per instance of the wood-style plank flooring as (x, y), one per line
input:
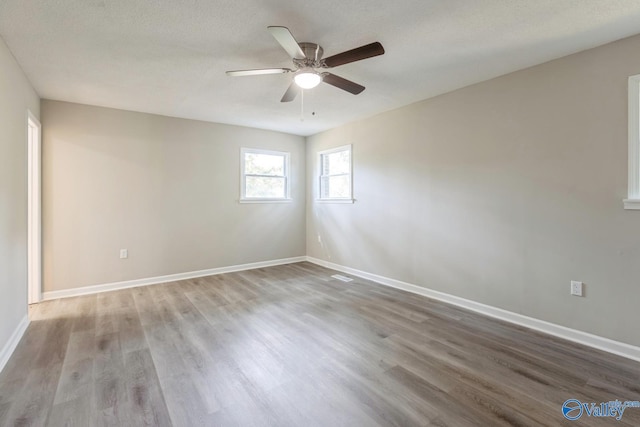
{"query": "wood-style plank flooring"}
(290, 346)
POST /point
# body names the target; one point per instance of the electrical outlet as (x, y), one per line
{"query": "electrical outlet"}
(124, 253)
(576, 288)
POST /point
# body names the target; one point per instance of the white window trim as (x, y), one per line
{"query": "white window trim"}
(320, 199)
(633, 199)
(287, 177)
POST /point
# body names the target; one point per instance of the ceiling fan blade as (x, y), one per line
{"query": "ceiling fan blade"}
(291, 93)
(342, 83)
(258, 72)
(353, 55)
(287, 41)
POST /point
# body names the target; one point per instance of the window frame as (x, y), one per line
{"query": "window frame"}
(321, 154)
(287, 176)
(633, 196)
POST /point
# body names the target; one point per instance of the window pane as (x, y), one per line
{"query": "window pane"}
(335, 187)
(263, 164)
(336, 163)
(264, 187)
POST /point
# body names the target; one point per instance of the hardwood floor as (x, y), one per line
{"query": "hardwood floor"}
(290, 346)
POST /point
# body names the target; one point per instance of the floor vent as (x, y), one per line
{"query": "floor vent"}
(343, 278)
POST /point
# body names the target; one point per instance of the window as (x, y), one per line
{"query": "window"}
(335, 175)
(633, 199)
(265, 175)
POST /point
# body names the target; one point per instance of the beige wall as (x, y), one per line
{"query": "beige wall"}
(501, 193)
(16, 97)
(166, 189)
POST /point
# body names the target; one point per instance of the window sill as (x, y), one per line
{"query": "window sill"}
(265, 200)
(631, 204)
(335, 200)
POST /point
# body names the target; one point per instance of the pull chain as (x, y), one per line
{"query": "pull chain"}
(302, 105)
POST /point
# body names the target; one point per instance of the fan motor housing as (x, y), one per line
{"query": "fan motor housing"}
(312, 51)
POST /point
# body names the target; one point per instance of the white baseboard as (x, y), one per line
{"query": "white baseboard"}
(595, 341)
(87, 290)
(15, 338)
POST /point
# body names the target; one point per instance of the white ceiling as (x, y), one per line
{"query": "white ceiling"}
(169, 57)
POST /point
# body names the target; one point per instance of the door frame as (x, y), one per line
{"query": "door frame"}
(34, 209)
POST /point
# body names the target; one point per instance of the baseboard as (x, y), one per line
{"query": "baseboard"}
(11, 345)
(87, 290)
(595, 341)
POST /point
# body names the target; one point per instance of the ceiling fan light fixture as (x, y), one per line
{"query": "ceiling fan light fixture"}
(307, 78)
(309, 67)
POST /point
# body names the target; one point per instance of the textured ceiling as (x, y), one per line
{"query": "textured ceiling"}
(169, 57)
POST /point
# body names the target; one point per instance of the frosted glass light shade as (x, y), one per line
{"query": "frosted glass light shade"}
(307, 79)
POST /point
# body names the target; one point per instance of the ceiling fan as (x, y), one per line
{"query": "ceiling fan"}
(309, 66)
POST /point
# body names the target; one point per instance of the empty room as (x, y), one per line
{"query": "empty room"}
(356, 213)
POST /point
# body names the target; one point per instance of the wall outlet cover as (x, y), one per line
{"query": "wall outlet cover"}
(576, 288)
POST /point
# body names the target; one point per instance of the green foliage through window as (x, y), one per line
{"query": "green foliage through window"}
(335, 173)
(264, 174)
